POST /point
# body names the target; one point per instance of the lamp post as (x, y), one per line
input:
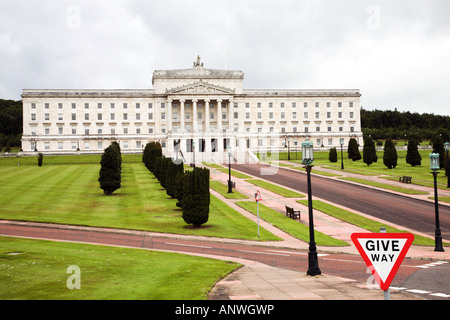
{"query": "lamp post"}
(307, 160)
(434, 165)
(447, 162)
(230, 185)
(342, 155)
(289, 150)
(193, 150)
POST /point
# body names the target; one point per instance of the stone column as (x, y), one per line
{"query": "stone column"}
(230, 116)
(169, 115)
(194, 114)
(206, 116)
(219, 116)
(182, 116)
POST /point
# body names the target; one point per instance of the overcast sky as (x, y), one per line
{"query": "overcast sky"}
(396, 52)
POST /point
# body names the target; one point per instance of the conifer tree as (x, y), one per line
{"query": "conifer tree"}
(413, 156)
(390, 156)
(369, 151)
(438, 147)
(332, 157)
(110, 173)
(353, 150)
(196, 197)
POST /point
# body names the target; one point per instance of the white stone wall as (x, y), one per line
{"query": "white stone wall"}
(87, 121)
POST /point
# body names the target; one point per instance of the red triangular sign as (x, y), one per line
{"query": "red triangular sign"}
(383, 253)
(258, 196)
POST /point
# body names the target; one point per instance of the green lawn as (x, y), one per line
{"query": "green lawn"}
(288, 225)
(37, 270)
(223, 190)
(275, 189)
(421, 173)
(384, 186)
(70, 194)
(360, 221)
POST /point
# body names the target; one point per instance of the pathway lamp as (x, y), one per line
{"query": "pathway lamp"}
(289, 150)
(230, 184)
(447, 162)
(434, 166)
(342, 155)
(307, 160)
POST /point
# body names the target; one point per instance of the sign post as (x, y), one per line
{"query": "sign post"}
(383, 253)
(258, 199)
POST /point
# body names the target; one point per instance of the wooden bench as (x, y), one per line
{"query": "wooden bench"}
(293, 214)
(405, 179)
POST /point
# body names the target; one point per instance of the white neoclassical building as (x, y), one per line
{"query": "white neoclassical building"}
(189, 111)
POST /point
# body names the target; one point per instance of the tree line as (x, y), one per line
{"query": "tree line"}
(190, 188)
(11, 126)
(390, 157)
(395, 125)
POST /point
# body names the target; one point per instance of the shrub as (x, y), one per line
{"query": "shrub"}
(353, 150)
(390, 156)
(110, 172)
(173, 169)
(196, 197)
(40, 159)
(438, 147)
(333, 155)
(413, 156)
(369, 152)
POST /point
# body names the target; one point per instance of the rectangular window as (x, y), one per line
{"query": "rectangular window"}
(125, 116)
(86, 116)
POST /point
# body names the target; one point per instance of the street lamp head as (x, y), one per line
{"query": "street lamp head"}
(434, 161)
(307, 153)
(447, 146)
(229, 150)
(341, 141)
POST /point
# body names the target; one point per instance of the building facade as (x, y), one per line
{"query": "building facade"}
(192, 112)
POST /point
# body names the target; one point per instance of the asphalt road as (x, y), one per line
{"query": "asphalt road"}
(401, 210)
(412, 274)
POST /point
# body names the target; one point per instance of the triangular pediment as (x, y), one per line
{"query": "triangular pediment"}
(200, 87)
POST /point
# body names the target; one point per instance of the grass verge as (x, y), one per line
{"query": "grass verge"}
(223, 190)
(384, 186)
(290, 226)
(37, 270)
(275, 189)
(70, 194)
(362, 222)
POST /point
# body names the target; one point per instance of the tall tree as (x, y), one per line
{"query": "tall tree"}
(438, 147)
(110, 171)
(332, 156)
(369, 151)
(390, 156)
(353, 150)
(413, 156)
(196, 197)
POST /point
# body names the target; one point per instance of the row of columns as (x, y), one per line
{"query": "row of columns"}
(195, 113)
